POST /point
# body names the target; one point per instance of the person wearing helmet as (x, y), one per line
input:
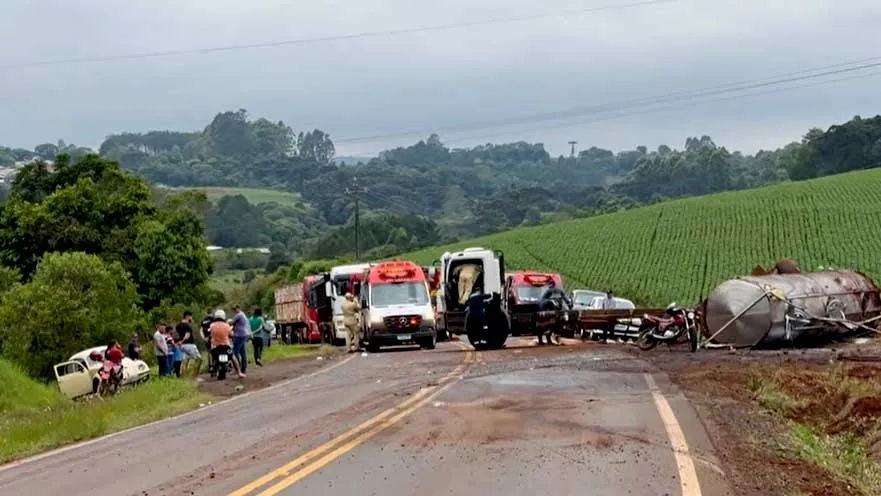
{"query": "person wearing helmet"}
(221, 334)
(351, 319)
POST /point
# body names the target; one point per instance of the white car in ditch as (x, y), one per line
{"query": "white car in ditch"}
(78, 376)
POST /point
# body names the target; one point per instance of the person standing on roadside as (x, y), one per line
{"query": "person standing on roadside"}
(187, 343)
(608, 303)
(160, 349)
(134, 348)
(205, 327)
(260, 336)
(241, 329)
(351, 319)
(176, 356)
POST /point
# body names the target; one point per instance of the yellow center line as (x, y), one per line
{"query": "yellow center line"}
(333, 455)
(383, 417)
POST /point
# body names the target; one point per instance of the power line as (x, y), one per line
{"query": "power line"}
(673, 97)
(622, 115)
(357, 190)
(340, 37)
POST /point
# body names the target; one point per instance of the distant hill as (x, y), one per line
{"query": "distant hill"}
(351, 160)
(680, 250)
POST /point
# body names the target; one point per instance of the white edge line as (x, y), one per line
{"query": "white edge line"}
(684, 464)
(58, 451)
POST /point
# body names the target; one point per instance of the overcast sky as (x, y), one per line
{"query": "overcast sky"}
(442, 79)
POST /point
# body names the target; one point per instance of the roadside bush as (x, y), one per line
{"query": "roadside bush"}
(74, 301)
(8, 279)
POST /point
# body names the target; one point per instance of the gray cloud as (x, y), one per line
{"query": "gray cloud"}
(429, 80)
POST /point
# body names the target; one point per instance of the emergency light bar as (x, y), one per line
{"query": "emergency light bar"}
(537, 279)
(396, 273)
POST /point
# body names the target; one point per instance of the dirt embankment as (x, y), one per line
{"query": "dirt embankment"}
(787, 423)
(271, 373)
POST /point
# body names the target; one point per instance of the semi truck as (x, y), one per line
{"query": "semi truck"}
(303, 311)
(344, 279)
(489, 332)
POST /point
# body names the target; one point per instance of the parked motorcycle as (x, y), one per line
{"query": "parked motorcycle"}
(676, 323)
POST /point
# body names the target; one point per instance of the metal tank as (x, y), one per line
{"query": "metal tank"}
(750, 310)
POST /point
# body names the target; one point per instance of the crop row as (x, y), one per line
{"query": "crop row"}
(680, 250)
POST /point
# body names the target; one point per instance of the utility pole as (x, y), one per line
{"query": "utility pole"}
(572, 152)
(357, 191)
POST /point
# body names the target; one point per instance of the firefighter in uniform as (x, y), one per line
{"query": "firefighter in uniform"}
(467, 273)
(351, 319)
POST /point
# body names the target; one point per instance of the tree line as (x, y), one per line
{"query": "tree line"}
(429, 193)
(88, 254)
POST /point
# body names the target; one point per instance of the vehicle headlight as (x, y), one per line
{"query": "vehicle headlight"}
(339, 322)
(690, 315)
(375, 319)
(566, 317)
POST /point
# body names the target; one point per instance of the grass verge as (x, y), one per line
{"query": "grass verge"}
(834, 415)
(35, 417)
(284, 351)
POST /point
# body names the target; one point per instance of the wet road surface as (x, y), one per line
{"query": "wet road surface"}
(557, 420)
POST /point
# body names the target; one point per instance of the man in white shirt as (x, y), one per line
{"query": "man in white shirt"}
(160, 349)
(608, 304)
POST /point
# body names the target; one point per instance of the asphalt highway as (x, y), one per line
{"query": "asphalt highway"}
(524, 420)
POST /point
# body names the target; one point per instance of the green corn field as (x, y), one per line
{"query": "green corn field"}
(680, 250)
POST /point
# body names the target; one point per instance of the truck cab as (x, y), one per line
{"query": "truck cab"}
(303, 310)
(396, 307)
(523, 292)
(451, 313)
(344, 279)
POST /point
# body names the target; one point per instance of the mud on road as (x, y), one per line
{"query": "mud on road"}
(751, 403)
(269, 374)
(751, 440)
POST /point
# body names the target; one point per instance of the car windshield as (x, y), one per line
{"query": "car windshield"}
(617, 303)
(530, 293)
(406, 293)
(584, 297)
(341, 284)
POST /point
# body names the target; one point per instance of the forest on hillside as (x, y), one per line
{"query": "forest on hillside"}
(429, 193)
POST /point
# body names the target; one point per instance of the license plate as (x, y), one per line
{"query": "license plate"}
(404, 337)
(223, 358)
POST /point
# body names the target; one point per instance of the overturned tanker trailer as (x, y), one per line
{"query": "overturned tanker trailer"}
(767, 309)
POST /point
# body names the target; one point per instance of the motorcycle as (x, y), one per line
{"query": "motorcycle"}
(221, 368)
(669, 329)
(110, 377)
